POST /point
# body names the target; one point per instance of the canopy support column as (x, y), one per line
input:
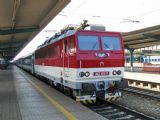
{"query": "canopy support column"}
(131, 50)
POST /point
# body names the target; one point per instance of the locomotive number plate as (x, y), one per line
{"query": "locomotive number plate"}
(103, 73)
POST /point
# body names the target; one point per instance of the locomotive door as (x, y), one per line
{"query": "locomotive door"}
(65, 58)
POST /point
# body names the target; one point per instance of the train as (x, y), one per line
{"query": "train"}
(146, 59)
(3, 63)
(88, 64)
(154, 60)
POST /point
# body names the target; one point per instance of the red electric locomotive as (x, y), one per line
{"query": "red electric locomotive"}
(88, 63)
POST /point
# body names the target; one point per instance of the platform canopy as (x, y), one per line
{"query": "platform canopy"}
(21, 20)
(142, 38)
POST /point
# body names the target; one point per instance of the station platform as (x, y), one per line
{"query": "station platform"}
(139, 76)
(24, 97)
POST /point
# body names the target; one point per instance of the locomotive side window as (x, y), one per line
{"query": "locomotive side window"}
(27, 61)
(111, 43)
(49, 52)
(72, 45)
(88, 42)
(65, 46)
(53, 52)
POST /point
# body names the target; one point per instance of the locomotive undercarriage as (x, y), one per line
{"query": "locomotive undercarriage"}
(91, 96)
(110, 97)
(89, 93)
(86, 97)
(111, 94)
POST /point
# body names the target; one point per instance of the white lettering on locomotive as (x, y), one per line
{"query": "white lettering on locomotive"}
(103, 73)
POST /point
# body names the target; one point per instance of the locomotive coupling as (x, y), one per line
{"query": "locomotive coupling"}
(101, 85)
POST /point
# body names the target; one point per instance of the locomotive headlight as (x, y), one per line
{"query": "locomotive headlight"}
(87, 74)
(114, 72)
(101, 55)
(119, 72)
(81, 74)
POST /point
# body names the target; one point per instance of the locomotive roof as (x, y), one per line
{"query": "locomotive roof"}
(57, 37)
(71, 30)
(61, 35)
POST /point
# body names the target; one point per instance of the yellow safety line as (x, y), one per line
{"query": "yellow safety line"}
(55, 103)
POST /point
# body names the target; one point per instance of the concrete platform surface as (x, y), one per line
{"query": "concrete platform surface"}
(24, 97)
(155, 78)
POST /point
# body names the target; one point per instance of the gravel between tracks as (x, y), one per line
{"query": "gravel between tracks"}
(141, 104)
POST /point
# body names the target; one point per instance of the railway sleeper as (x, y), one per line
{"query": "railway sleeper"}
(116, 115)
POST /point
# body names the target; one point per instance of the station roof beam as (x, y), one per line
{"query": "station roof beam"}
(13, 31)
(21, 21)
(142, 38)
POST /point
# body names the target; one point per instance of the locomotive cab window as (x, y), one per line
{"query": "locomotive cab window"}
(111, 43)
(88, 42)
(72, 49)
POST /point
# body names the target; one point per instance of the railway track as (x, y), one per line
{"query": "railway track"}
(113, 111)
(143, 92)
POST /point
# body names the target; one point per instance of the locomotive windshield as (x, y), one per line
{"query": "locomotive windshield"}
(88, 42)
(111, 43)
